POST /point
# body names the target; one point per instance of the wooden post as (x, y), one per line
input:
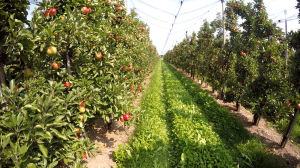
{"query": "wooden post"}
(290, 129)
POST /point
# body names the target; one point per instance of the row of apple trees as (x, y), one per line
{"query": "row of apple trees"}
(250, 68)
(74, 61)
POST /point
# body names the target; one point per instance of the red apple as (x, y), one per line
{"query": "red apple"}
(55, 65)
(142, 28)
(132, 87)
(81, 109)
(16, 89)
(124, 68)
(140, 88)
(242, 54)
(77, 130)
(81, 105)
(81, 118)
(67, 84)
(297, 105)
(84, 155)
(85, 10)
(98, 55)
(288, 103)
(130, 68)
(52, 11)
(122, 119)
(126, 116)
(118, 8)
(118, 37)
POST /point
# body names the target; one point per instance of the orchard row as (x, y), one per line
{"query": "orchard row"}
(183, 126)
(74, 61)
(251, 68)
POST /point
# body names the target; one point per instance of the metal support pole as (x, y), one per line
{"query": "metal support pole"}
(127, 6)
(286, 50)
(223, 23)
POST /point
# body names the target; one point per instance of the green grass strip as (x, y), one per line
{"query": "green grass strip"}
(150, 145)
(183, 126)
(206, 133)
(194, 138)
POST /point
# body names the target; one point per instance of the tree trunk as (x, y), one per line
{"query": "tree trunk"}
(194, 72)
(256, 119)
(2, 74)
(290, 129)
(222, 94)
(109, 124)
(2, 78)
(238, 105)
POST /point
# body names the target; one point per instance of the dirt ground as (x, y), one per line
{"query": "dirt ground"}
(264, 132)
(108, 141)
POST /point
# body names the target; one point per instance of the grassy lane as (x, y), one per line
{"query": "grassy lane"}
(196, 143)
(182, 126)
(150, 145)
(206, 132)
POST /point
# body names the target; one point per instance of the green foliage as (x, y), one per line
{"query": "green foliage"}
(39, 129)
(251, 66)
(40, 114)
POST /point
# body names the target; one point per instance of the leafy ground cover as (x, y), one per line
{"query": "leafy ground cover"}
(150, 145)
(182, 126)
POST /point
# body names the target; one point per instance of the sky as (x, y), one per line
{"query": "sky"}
(159, 15)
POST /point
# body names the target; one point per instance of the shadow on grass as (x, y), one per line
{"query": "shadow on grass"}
(246, 150)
